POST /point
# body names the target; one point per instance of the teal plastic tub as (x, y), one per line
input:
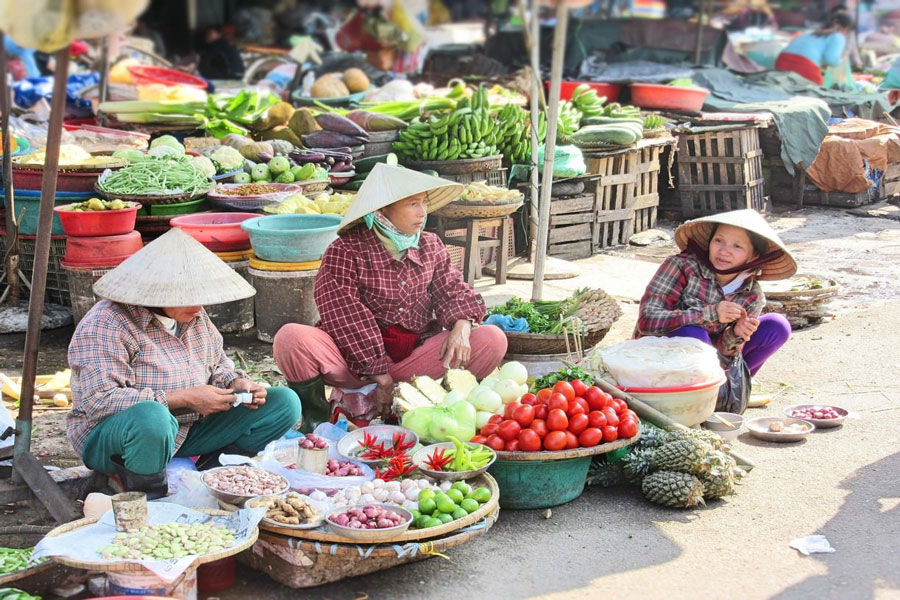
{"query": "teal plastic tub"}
(291, 238)
(529, 484)
(30, 200)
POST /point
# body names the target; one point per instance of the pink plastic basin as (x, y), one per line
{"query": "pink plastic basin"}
(652, 95)
(220, 232)
(610, 90)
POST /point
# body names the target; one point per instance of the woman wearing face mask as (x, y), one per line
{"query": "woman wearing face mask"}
(710, 291)
(390, 303)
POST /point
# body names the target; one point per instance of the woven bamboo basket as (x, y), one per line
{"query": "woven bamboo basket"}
(112, 163)
(479, 210)
(26, 535)
(458, 167)
(656, 133)
(120, 566)
(565, 454)
(150, 199)
(302, 564)
(550, 343)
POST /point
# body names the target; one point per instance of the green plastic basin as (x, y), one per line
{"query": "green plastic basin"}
(526, 484)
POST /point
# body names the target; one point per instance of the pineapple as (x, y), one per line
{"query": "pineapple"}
(637, 464)
(709, 437)
(720, 480)
(689, 456)
(431, 388)
(460, 380)
(605, 474)
(651, 436)
(670, 488)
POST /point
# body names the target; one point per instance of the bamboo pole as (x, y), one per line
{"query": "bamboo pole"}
(701, 6)
(10, 252)
(536, 106)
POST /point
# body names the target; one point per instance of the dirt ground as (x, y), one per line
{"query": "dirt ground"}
(841, 483)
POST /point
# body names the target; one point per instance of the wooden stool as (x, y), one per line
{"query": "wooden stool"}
(474, 242)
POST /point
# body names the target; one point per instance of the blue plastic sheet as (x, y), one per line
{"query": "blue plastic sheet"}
(28, 92)
(507, 323)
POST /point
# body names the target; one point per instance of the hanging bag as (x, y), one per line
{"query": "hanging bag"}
(735, 392)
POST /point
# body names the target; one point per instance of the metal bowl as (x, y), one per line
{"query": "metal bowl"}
(420, 456)
(759, 428)
(819, 423)
(349, 447)
(320, 515)
(370, 535)
(236, 499)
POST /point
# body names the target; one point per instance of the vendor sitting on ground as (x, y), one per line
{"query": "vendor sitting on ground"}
(710, 291)
(809, 53)
(150, 379)
(391, 304)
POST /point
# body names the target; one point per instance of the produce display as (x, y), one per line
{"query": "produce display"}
(336, 85)
(335, 132)
(173, 540)
(782, 427)
(816, 412)
(70, 155)
(368, 517)
(403, 493)
(585, 99)
(164, 169)
(586, 310)
(567, 416)
(457, 502)
(479, 191)
(245, 481)
(656, 362)
(14, 559)
(653, 122)
(16, 594)
(461, 457)
(322, 203)
(568, 122)
(290, 509)
(515, 138)
(96, 204)
(311, 441)
(342, 468)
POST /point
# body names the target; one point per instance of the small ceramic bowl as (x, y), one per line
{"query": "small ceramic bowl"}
(723, 430)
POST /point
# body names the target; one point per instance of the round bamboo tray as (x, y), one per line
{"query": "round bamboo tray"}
(324, 535)
(150, 199)
(830, 289)
(458, 167)
(29, 532)
(125, 566)
(565, 454)
(478, 210)
(550, 343)
(656, 133)
(112, 163)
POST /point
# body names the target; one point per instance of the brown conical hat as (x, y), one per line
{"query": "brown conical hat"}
(173, 270)
(700, 230)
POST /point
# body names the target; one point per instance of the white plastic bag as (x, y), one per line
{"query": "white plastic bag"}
(654, 362)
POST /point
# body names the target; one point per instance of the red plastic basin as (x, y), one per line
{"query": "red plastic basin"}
(95, 223)
(218, 231)
(652, 95)
(610, 90)
(101, 251)
(145, 75)
(31, 179)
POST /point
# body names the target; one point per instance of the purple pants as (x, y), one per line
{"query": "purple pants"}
(774, 330)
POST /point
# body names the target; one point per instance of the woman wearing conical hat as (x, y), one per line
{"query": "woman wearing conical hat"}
(150, 379)
(390, 303)
(710, 291)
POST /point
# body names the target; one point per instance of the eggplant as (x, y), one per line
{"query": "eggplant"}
(264, 157)
(339, 124)
(341, 167)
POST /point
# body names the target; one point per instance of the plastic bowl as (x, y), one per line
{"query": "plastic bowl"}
(218, 231)
(93, 223)
(725, 432)
(654, 95)
(348, 446)
(370, 535)
(689, 405)
(237, 499)
(420, 456)
(819, 423)
(147, 75)
(291, 238)
(610, 90)
(101, 251)
(759, 428)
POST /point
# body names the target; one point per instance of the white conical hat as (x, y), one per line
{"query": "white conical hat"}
(173, 270)
(700, 230)
(387, 184)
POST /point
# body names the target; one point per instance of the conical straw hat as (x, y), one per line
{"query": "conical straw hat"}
(173, 270)
(386, 184)
(700, 230)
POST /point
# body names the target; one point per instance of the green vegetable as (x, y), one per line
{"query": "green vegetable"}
(682, 82)
(13, 559)
(226, 159)
(16, 594)
(242, 178)
(156, 176)
(538, 321)
(204, 164)
(259, 172)
(568, 374)
(654, 122)
(285, 177)
(173, 540)
(279, 165)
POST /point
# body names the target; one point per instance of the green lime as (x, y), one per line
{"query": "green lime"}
(469, 505)
(426, 506)
(445, 504)
(463, 487)
(455, 495)
(416, 514)
(426, 495)
(432, 522)
(482, 495)
(459, 513)
(422, 521)
(445, 518)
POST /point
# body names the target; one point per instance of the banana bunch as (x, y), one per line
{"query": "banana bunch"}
(617, 111)
(585, 99)
(515, 137)
(652, 122)
(467, 132)
(568, 122)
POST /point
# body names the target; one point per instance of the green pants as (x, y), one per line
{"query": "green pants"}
(144, 435)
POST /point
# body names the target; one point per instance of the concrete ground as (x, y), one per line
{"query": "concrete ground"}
(840, 483)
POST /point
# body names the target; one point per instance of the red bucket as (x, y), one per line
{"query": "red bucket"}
(220, 232)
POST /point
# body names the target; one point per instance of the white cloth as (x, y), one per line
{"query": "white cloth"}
(168, 323)
(733, 285)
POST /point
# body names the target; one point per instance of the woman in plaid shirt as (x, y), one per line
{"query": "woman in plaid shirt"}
(390, 304)
(710, 291)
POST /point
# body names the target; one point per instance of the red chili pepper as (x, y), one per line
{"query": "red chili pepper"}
(400, 443)
(438, 460)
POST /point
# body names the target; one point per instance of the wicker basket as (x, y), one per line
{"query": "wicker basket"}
(656, 133)
(458, 167)
(151, 199)
(26, 535)
(112, 163)
(478, 210)
(550, 343)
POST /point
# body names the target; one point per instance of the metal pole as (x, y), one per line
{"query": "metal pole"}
(559, 49)
(535, 104)
(700, 10)
(41, 255)
(104, 68)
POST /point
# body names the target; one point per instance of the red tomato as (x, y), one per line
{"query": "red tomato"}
(571, 441)
(524, 415)
(565, 388)
(510, 409)
(579, 387)
(597, 419)
(578, 423)
(495, 443)
(633, 415)
(528, 399)
(541, 411)
(620, 406)
(512, 446)
(627, 429)
(612, 419)
(509, 430)
(584, 404)
(490, 429)
(539, 426)
(590, 437)
(558, 401)
(610, 434)
(575, 409)
(529, 441)
(496, 419)
(544, 395)
(557, 420)
(555, 440)
(479, 439)
(594, 398)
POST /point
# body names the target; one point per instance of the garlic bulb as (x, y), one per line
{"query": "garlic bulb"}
(367, 499)
(378, 483)
(445, 485)
(423, 484)
(392, 486)
(367, 488)
(381, 495)
(397, 497)
(412, 493)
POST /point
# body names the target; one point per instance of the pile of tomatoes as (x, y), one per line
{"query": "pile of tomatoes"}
(570, 415)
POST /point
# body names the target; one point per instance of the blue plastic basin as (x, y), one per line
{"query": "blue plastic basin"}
(291, 238)
(30, 200)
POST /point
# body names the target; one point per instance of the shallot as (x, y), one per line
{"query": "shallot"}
(313, 442)
(369, 517)
(816, 412)
(342, 468)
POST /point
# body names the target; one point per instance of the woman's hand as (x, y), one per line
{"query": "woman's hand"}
(384, 394)
(245, 385)
(746, 327)
(729, 312)
(456, 349)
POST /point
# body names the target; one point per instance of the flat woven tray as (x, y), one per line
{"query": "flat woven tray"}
(478, 210)
(150, 199)
(566, 454)
(656, 133)
(112, 163)
(458, 167)
(550, 343)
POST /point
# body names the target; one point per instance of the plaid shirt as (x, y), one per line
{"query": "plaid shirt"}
(685, 292)
(121, 355)
(361, 288)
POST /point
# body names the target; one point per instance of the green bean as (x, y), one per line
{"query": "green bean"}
(166, 176)
(16, 594)
(12, 559)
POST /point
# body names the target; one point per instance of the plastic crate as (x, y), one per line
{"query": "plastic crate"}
(57, 278)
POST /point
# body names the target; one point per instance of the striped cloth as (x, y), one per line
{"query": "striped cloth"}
(121, 355)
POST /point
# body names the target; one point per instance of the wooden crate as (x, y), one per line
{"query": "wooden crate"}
(719, 171)
(572, 226)
(496, 178)
(891, 182)
(615, 197)
(458, 254)
(646, 188)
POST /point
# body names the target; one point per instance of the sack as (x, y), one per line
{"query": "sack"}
(735, 392)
